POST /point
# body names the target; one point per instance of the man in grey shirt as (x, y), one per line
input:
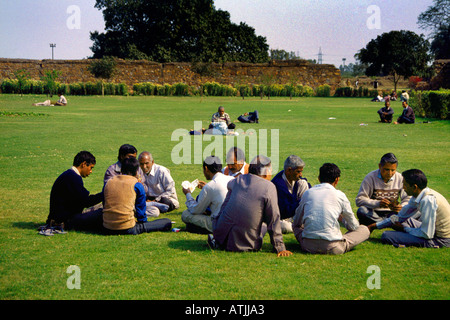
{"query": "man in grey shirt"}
(250, 203)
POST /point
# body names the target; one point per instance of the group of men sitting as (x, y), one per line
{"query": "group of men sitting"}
(241, 203)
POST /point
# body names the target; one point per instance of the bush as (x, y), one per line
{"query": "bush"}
(431, 104)
(323, 91)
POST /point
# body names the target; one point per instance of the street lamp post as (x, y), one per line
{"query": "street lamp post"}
(52, 45)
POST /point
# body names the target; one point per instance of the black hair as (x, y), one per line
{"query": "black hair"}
(126, 149)
(130, 166)
(213, 164)
(83, 156)
(236, 153)
(329, 172)
(388, 158)
(415, 177)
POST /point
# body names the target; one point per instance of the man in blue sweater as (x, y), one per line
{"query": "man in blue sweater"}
(290, 187)
(69, 197)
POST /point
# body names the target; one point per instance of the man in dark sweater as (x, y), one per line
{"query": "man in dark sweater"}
(290, 187)
(386, 113)
(69, 197)
(407, 116)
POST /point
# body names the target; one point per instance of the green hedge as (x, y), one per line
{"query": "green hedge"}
(177, 89)
(431, 104)
(80, 88)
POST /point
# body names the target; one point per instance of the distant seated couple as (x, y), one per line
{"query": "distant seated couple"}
(62, 101)
(220, 124)
(386, 114)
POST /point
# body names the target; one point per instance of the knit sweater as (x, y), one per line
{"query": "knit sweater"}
(373, 189)
(287, 201)
(69, 197)
(123, 194)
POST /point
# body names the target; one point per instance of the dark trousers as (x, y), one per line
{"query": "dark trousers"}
(252, 117)
(144, 227)
(89, 221)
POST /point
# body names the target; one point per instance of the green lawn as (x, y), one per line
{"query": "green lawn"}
(39, 143)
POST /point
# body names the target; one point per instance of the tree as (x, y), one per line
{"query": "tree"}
(49, 78)
(437, 19)
(174, 30)
(22, 77)
(277, 54)
(396, 53)
(440, 46)
(435, 16)
(103, 69)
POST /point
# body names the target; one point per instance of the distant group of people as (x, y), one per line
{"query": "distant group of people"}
(241, 203)
(221, 123)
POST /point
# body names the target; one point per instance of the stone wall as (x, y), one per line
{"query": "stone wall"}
(132, 72)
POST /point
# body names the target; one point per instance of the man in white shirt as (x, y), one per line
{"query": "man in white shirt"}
(161, 193)
(424, 221)
(62, 100)
(200, 212)
(321, 209)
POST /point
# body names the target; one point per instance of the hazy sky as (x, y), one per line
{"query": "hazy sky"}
(339, 27)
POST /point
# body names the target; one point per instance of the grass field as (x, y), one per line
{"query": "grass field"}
(39, 143)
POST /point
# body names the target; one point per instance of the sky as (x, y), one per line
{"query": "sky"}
(339, 27)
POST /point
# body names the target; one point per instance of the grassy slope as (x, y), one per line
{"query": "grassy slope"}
(36, 149)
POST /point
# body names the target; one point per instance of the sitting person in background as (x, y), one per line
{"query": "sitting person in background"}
(394, 95)
(386, 113)
(404, 96)
(424, 221)
(125, 203)
(249, 117)
(378, 98)
(161, 193)
(221, 116)
(407, 116)
(221, 121)
(236, 164)
(62, 100)
(290, 187)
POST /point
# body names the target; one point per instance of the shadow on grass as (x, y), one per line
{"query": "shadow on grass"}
(191, 245)
(27, 225)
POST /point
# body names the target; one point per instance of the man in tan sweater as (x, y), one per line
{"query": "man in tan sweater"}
(125, 202)
(380, 192)
(432, 227)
